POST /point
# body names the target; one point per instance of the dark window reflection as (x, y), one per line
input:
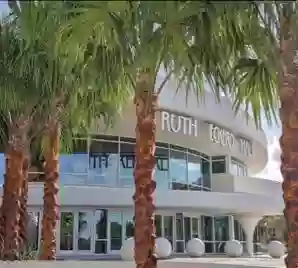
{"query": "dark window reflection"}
(129, 224)
(66, 230)
(187, 229)
(207, 232)
(218, 164)
(221, 228)
(115, 219)
(206, 174)
(195, 228)
(101, 224)
(168, 228)
(239, 232)
(158, 225)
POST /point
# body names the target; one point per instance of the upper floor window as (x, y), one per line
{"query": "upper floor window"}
(218, 164)
(237, 168)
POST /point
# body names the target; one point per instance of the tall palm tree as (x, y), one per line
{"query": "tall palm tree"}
(271, 69)
(20, 95)
(73, 87)
(193, 41)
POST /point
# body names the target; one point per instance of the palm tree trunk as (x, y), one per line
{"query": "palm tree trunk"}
(13, 179)
(288, 82)
(2, 217)
(145, 101)
(11, 203)
(23, 206)
(50, 210)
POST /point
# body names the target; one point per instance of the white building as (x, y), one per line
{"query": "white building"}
(206, 158)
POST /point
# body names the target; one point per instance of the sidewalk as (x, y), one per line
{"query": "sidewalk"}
(261, 262)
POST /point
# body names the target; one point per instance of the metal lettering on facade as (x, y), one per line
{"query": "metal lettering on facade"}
(179, 124)
(245, 146)
(221, 136)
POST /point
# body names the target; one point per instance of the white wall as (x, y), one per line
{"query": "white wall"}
(211, 202)
(230, 183)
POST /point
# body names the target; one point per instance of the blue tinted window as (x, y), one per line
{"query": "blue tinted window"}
(103, 162)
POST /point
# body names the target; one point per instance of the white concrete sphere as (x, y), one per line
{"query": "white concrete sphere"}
(276, 249)
(195, 247)
(163, 247)
(127, 249)
(233, 248)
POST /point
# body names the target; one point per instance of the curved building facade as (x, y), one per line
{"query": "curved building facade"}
(206, 158)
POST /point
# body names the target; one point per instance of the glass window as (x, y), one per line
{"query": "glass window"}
(207, 229)
(239, 232)
(218, 164)
(179, 227)
(103, 162)
(101, 224)
(194, 168)
(168, 228)
(74, 166)
(206, 175)
(237, 168)
(66, 230)
(179, 233)
(207, 232)
(158, 226)
(127, 163)
(115, 221)
(161, 174)
(221, 228)
(187, 229)
(178, 170)
(34, 219)
(84, 234)
(195, 228)
(129, 224)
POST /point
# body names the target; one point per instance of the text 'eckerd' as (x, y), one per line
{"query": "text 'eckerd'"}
(177, 123)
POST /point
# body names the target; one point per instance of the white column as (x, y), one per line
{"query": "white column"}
(249, 224)
(231, 228)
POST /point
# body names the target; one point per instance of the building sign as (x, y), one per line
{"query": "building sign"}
(179, 124)
(245, 146)
(224, 137)
(126, 161)
(221, 136)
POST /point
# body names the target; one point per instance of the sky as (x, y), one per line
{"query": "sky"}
(271, 171)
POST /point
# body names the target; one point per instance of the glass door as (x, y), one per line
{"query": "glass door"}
(167, 231)
(180, 243)
(115, 231)
(101, 232)
(66, 232)
(187, 230)
(83, 223)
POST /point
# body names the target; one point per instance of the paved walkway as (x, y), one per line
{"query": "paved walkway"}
(261, 262)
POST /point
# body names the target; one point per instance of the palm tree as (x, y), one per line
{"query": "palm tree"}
(75, 95)
(17, 108)
(271, 69)
(193, 41)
